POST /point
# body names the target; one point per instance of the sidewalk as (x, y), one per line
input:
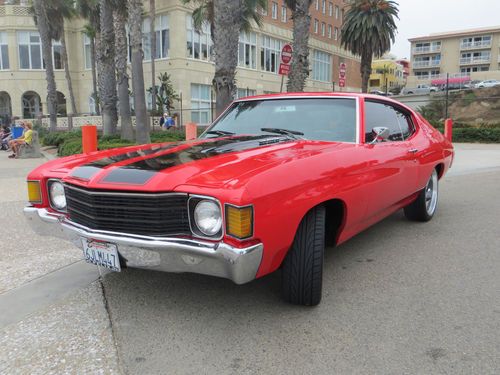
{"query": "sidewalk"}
(57, 328)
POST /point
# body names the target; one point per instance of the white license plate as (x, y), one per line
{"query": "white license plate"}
(101, 253)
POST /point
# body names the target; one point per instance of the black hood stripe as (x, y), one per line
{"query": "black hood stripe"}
(139, 172)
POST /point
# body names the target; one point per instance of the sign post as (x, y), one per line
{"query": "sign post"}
(286, 57)
(342, 74)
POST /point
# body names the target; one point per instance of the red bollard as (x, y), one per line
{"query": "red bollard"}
(448, 129)
(191, 131)
(89, 138)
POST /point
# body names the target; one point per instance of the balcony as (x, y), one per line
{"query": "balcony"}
(426, 49)
(14, 8)
(475, 60)
(426, 64)
(476, 45)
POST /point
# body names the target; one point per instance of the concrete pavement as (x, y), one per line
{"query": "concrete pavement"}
(399, 298)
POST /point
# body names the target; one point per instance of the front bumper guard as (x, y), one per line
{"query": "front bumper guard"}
(162, 254)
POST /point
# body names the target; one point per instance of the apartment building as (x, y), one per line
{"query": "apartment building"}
(465, 55)
(386, 74)
(183, 52)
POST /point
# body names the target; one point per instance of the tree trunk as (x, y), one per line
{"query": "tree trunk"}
(64, 53)
(95, 93)
(120, 19)
(107, 77)
(227, 24)
(135, 21)
(299, 69)
(43, 28)
(152, 16)
(366, 69)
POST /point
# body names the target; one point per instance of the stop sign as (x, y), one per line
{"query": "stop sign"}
(286, 54)
(342, 70)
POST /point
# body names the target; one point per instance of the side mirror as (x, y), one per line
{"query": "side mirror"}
(380, 134)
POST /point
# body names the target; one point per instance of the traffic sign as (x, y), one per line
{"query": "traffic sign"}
(286, 54)
(284, 69)
(342, 70)
(341, 82)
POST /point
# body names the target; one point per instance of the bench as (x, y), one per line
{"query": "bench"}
(30, 151)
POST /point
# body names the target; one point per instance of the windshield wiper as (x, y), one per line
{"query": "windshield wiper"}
(291, 133)
(219, 132)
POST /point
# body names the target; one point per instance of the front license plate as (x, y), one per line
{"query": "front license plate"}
(102, 254)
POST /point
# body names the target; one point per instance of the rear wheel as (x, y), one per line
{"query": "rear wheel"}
(424, 207)
(302, 273)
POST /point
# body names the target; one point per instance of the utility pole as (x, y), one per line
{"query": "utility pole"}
(447, 91)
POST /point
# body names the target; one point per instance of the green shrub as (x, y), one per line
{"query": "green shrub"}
(57, 138)
(114, 144)
(167, 136)
(70, 147)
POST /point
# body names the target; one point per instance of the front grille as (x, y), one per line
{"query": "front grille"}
(135, 213)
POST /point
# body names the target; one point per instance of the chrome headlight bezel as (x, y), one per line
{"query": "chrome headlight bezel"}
(193, 203)
(50, 186)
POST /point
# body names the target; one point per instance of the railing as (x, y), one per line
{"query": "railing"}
(476, 45)
(427, 49)
(426, 64)
(20, 9)
(475, 60)
(78, 122)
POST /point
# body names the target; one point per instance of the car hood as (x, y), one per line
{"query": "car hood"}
(214, 163)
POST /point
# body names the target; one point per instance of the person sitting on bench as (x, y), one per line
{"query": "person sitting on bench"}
(25, 139)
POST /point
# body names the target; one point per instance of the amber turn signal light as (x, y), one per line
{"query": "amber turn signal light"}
(239, 221)
(34, 192)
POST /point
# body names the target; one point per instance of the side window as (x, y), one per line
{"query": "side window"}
(380, 114)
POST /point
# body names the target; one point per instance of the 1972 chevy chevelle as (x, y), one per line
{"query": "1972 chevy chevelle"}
(271, 182)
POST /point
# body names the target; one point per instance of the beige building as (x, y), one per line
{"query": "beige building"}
(467, 55)
(183, 52)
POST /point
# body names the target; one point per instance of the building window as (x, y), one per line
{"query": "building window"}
(337, 12)
(283, 13)
(86, 51)
(201, 104)
(242, 93)
(57, 60)
(321, 66)
(274, 10)
(336, 33)
(263, 11)
(323, 29)
(323, 7)
(30, 50)
(162, 37)
(199, 44)
(270, 54)
(4, 52)
(317, 4)
(247, 50)
(316, 26)
(330, 31)
(330, 9)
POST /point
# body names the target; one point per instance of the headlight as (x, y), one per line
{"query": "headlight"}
(207, 217)
(57, 196)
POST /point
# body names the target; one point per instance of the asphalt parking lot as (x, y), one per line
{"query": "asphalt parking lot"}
(399, 298)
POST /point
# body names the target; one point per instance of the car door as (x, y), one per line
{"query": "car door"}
(392, 166)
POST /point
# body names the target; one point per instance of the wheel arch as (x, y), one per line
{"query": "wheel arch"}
(439, 169)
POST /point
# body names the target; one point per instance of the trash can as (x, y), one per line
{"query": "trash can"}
(17, 131)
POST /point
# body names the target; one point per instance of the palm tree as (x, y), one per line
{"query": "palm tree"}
(42, 22)
(226, 18)
(107, 75)
(89, 10)
(299, 69)
(90, 32)
(122, 77)
(369, 28)
(135, 22)
(152, 18)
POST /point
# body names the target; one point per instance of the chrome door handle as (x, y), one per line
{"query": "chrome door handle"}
(412, 151)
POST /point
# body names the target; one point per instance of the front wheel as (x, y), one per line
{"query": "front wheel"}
(424, 207)
(302, 273)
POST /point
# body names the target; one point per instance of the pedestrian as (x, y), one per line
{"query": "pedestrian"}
(25, 139)
(166, 121)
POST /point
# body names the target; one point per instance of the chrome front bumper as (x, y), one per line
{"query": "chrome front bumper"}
(162, 254)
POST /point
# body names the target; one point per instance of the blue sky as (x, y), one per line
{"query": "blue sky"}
(422, 17)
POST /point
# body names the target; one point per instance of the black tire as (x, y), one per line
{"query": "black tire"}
(425, 206)
(302, 271)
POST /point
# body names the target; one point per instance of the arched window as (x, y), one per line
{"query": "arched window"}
(5, 108)
(32, 105)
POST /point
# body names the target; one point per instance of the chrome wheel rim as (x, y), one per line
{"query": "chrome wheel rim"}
(431, 193)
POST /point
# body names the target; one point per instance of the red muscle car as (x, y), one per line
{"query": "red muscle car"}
(269, 183)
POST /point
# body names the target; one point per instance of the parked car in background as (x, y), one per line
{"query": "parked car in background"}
(381, 93)
(268, 186)
(488, 83)
(420, 90)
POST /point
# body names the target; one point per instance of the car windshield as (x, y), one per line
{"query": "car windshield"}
(322, 119)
